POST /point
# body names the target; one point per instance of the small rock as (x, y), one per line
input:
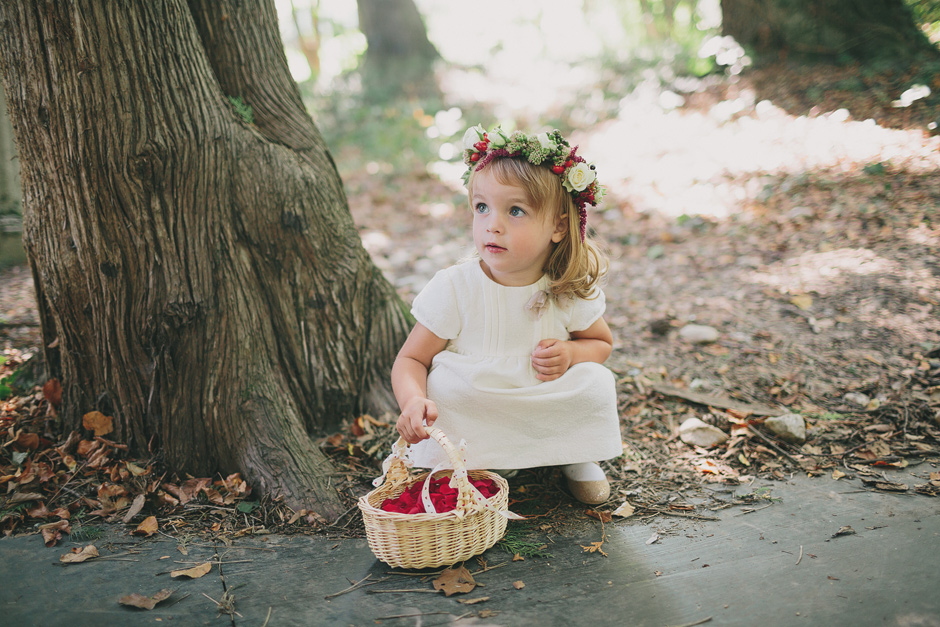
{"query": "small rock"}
(789, 427)
(698, 334)
(856, 398)
(698, 433)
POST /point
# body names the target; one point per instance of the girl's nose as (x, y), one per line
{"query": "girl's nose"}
(495, 225)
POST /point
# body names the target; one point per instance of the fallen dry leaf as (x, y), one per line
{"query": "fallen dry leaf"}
(595, 547)
(77, 556)
(195, 572)
(473, 601)
(136, 470)
(604, 517)
(518, 558)
(518, 585)
(52, 532)
(147, 528)
(837, 474)
(98, 422)
(145, 603)
(52, 391)
(50, 537)
(803, 301)
(454, 581)
(845, 530)
(136, 506)
(625, 510)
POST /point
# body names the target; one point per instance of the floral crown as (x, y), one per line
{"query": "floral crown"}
(549, 149)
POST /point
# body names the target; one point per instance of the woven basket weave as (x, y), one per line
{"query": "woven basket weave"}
(432, 540)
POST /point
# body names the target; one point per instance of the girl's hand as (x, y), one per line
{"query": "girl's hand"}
(551, 359)
(410, 424)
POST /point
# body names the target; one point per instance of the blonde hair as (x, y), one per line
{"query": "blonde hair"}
(574, 267)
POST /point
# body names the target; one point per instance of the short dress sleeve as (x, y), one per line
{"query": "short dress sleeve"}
(436, 308)
(586, 311)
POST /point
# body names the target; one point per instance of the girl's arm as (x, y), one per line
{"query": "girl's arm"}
(552, 358)
(410, 382)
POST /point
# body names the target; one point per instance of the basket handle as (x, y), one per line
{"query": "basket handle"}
(465, 490)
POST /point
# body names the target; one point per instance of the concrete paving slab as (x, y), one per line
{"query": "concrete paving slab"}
(779, 565)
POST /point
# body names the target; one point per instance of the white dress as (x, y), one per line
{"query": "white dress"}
(484, 384)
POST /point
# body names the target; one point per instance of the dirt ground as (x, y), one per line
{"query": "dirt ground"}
(807, 238)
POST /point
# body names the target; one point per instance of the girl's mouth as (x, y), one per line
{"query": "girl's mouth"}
(493, 248)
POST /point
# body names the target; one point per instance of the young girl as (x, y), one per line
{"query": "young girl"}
(507, 349)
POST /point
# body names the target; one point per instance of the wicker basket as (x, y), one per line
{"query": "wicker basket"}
(440, 539)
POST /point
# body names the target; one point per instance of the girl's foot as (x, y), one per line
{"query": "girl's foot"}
(587, 482)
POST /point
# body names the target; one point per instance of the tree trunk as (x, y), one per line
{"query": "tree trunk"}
(827, 29)
(399, 57)
(199, 276)
(9, 169)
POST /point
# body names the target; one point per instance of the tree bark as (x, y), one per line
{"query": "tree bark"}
(399, 57)
(9, 169)
(199, 276)
(828, 29)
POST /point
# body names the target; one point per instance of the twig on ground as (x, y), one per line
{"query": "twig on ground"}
(800, 559)
(751, 510)
(698, 622)
(410, 615)
(773, 445)
(402, 590)
(362, 583)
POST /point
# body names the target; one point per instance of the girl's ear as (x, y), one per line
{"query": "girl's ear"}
(561, 228)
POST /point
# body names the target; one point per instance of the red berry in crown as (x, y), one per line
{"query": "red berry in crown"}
(475, 156)
(481, 146)
(558, 169)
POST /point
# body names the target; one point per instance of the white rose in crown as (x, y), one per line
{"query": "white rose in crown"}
(545, 142)
(473, 135)
(496, 137)
(579, 177)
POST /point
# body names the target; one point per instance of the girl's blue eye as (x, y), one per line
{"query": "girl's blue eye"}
(481, 208)
(516, 212)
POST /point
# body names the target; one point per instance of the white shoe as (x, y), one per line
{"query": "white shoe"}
(587, 482)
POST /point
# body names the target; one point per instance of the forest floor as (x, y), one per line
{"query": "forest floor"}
(806, 237)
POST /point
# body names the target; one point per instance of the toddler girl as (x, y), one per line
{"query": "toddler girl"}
(508, 347)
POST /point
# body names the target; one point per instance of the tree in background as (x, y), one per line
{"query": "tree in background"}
(198, 274)
(399, 57)
(828, 29)
(9, 171)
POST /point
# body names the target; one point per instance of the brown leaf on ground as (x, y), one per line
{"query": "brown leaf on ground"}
(52, 391)
(473, 601)
(147, 528)
(518, 585)
(595, 547)
(455, 581)
(98, 422)
(604, 517)
(52, 532)
(625, 510)
(22, 497)
(193, 573)
(50, 537)
(39, 511)
(145, 603)
(27, 440)
(77, 555)
(135, 508)
(518, 558)
(845, 530)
